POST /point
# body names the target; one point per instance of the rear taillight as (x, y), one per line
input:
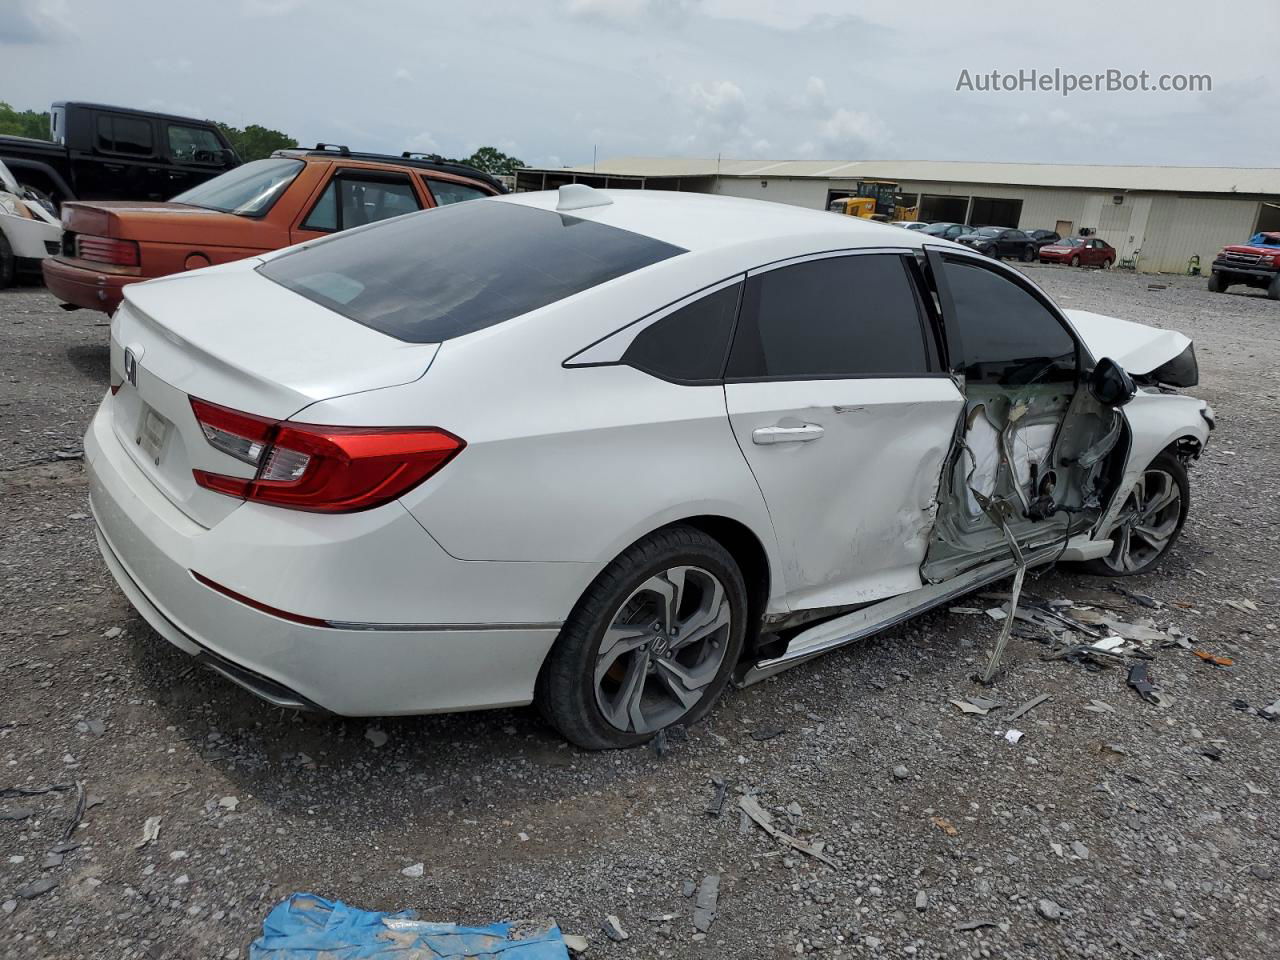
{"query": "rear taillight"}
(122, 253)
(306, 466)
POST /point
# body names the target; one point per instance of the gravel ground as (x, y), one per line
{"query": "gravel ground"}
(1098, 835)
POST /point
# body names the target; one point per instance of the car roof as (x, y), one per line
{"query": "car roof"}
(701, 222)
(415, 161)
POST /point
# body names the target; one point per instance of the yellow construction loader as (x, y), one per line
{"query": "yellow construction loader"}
(874, 200)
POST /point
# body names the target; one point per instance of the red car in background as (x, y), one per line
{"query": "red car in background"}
(1079, 252)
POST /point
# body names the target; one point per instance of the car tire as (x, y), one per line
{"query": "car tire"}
(1028, 254)
(1273, 288)
(1215, 284)
(588, 691)
(1075, 261)
(8, 266)
(1137, 552)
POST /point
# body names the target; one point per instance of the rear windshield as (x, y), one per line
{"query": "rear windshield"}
(248, 190)
(441, 273)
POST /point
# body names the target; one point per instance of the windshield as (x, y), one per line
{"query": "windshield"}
(1071, 242)
(248, 190)
(1266, 240)
(438, 274)
(935, 229)
(989, 231)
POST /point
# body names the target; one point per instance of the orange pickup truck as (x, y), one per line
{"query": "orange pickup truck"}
(292, 196)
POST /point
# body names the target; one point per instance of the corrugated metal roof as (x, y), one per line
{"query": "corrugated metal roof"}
(1250, 180)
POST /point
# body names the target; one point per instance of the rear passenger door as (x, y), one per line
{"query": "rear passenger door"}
(838, 401)
(445, 192)
(354, 197)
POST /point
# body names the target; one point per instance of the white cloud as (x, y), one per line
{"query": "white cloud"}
(402, 73)
(852, 128)
(625, 11)
(423, 143)
(270, 8)
(35, 21)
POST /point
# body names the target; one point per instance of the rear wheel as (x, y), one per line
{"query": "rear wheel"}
(1216, 284)
(7, 264)
(1028, 253)
(1273, 289)
(652, 642)
(1150, 520)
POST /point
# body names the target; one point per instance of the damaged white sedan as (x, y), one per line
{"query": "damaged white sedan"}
(29, 231)
(610, 452)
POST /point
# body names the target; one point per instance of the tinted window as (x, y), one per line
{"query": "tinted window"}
(446, 192)
(1009, 336)
(350, 201)
(248, 190)
(460, 268)
(688, 344)
(834, 317)
(194, 144)
(124, 135)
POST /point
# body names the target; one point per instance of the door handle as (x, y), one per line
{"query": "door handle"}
(801, 434)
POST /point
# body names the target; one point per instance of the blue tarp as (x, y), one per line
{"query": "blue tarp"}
(307, 927)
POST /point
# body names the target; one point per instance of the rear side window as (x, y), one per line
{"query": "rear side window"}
(461, 268)
(353, 201)
(446, 192)
(129, 135)
(849, 316)
(1009, 337)
(688, 345)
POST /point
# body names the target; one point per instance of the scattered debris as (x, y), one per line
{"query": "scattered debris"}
(1079, 849)
(751, 807)
(1244, 606)
(978, 705)
(997, 613)
(1262, 871)
(1256, 790)
(1028, 707)
(1099, 706)
(375, 736)
(704, 908)
(35, 791)
(1013, 736)
(900, 772)
(77, 814)
(922, 901)
(1214, 659)
(715, 806)
(150, 831)
(689, 888)
(414, 870)
(966, 610)
(1210, 751)
(228, 803)
(945, 825)
(1142, 684)
(575, 943)
(17, 813)
(767, 733)
(613, 929)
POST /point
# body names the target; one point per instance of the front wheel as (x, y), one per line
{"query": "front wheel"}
(1150, 520)
(1273, 288)
(1075, 261)
(653, 642)
(1215, 284)
(8, 266)
(1028, 254)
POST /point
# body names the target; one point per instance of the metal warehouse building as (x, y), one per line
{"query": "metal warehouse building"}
(1165, 215)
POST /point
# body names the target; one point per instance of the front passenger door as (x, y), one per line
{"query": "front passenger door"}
(838, 402)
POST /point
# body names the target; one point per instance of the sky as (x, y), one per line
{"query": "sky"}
(551, 81)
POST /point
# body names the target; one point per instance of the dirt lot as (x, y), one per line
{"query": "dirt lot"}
(1149, 847)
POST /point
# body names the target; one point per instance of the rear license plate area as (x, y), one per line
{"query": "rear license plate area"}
(151, 433)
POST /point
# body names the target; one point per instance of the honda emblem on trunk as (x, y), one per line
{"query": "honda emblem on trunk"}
(131, 355)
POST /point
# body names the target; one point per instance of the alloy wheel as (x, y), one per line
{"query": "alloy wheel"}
(1149, 521)
(662, 649)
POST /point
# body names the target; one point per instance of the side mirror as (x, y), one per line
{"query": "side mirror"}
(1110, 384)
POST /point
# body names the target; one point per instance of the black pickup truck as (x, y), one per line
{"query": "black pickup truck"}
(98, 152)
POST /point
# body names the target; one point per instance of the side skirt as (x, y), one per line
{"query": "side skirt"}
(861, 623)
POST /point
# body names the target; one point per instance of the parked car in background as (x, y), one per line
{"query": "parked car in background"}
(115, 153)
(1042, 237)
(292, 196)
(1256, 264)
(1000, 242)
(1079, 252)
(29, 231)
(946, 231)
(910, 224)
(412, 468)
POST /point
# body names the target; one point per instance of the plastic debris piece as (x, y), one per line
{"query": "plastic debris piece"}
(967, 707)
(767, 733)
(1099, 706)
(1245, 606)
(35, 888)
(751, 807)
(375, 736)
(1216, 660)
(150, 831)
(1013, 736)
(613, 929)
(413, 870)
(229, 803)
(966, 610)
(997, 613)
(704, 907)
(715, 806)
(1141, 684)
(945, 825)
(575, 943)
(1108, 644)
(1052, 911)
(922, 901)
(1028, 706)
(964, 925)
(306, 927)
(17, 813)
(1210, 751)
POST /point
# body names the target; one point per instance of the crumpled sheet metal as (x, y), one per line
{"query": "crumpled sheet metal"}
(307, 927)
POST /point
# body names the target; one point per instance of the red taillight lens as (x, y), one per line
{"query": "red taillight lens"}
(123, 253)
(306, 466)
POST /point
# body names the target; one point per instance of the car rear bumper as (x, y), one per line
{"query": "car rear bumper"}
(360, 667)
(93, 289)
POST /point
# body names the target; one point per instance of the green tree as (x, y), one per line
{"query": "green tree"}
(23, 123)
(494, 161)
(255, 142)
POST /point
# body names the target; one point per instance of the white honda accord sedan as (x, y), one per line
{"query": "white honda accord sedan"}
(610, 451)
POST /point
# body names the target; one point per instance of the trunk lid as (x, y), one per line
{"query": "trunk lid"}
(1136, 347)
(229, 336)
(152, 220)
